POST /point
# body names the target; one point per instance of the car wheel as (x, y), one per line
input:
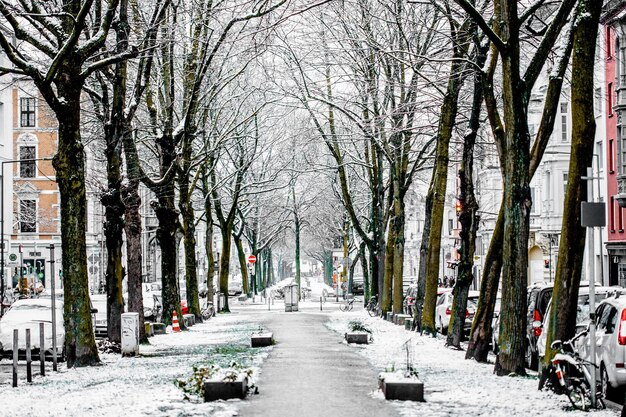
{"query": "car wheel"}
(530, 358)
(604, 381)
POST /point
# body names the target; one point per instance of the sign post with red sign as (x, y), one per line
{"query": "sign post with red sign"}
(251, 259)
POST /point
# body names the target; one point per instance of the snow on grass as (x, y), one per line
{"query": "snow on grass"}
(140, 386)
(453, 386)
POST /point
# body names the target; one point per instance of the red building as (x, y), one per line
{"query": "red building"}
(614, 45)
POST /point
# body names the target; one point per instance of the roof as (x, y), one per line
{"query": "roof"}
(612, 11)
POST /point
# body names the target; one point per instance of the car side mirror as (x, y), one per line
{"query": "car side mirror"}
(94, 311)
(537, 324)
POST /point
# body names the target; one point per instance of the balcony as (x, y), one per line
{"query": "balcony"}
(621, 191)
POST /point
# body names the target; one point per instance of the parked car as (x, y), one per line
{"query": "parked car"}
(443, 310)
(610, 342)
(358, 285)
(235, 287)
(319, 289)
(152, 306)
(27, 314)
(99, 303)
(495, 324)
(582, 315)
(538, 299)
(409, 299)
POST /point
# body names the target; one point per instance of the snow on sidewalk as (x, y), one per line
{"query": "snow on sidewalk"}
(141, 386)
(453, 386)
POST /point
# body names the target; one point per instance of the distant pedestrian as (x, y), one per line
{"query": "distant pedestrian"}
(452, 282)
(445, 281)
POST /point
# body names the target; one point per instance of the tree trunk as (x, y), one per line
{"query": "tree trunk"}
(132, 229)
(440, 179)
(191, 271)
(297, 260)
(166, 234)
(366, 279)
(467, 216)
(517, 203)
(243, 263)
(69, 163)
(225, 266)
(386, 300)
(562, 319)
(480, 337)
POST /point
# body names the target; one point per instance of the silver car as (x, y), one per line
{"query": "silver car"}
(27, 314)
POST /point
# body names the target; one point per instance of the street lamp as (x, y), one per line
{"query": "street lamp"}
(10, 161)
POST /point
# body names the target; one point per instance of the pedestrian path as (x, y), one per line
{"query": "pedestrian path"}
(311, 373)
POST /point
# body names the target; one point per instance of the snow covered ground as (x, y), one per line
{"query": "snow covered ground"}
(141, 386)
(453, 386)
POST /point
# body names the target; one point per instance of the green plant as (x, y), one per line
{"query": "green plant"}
(358, 326)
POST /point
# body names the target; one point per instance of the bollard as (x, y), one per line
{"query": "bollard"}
(29, 364)
(268, 304)
(15, 353)
(320, 303)
(42, 351)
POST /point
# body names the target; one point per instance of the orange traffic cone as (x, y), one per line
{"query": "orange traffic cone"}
(175, 326)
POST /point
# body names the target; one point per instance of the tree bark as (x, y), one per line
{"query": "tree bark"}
(225, 265)
(562, 319)
(243, 263)
(69, 163)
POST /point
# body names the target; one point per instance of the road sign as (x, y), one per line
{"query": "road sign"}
(251, 259)
(12, 257)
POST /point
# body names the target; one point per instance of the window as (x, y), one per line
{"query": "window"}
(608, 42)
(612, 214)
(564, 183)
(620, 219)
(609, 99)
(611, 153)
(534, 208)
(531, 130)
(597, 101)
(28, 216)
(27, 112)
(600, 156)
(27, 169)
(563, 122)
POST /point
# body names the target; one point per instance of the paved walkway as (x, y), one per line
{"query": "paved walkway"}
(311, 373)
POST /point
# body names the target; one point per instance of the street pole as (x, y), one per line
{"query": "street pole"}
(54, 313)
(592, 289)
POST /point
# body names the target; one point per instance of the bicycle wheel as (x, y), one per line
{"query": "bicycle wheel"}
(580, 397)
(344, 307)
(372, 310)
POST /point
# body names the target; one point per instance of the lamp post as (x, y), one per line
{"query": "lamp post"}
(4, 248)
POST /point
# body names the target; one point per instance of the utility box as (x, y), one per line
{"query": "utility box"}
(292, 296)
(130, 334)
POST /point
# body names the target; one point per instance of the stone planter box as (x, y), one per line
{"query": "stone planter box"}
(242, 298)
(262, 339)
(189, 319)
(390, 316)
(397, 387)
(159, 328)
(225, 390)
(408, 324)
(360, 338)
(400, 318)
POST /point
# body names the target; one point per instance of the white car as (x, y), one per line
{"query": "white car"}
(443, 310)
(27, 314)
(610, 342)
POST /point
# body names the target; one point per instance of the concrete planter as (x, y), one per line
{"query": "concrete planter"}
(408, 324)
(225, 390)
(397, 387)
(359, 338)
(159, 328)
(399, 319)
(189, 319)
(262, 339)
(390, 316)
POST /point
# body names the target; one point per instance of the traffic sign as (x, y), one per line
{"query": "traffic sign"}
(12, 257)
(251, 259)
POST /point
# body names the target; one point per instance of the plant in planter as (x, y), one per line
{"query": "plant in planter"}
(359, 333)
(212, 382)
(402, 384)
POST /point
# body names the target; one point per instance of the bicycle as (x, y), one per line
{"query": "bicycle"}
(347, 304)
(207, 311)
(573, 376)
(372, 306)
